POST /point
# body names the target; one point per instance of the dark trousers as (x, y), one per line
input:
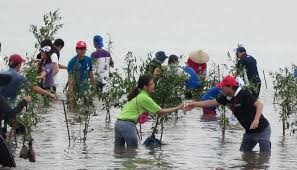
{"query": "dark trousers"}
(249, 141)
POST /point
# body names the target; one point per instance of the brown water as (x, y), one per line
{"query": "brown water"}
(265, 27)
(190, 144)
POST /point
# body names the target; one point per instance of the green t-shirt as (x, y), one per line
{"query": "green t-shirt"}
(145, 104)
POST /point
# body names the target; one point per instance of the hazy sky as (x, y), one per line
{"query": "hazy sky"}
(267, 28)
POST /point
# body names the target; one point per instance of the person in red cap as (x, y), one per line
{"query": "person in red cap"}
(80, 74)
(247, 109)
(12, 89)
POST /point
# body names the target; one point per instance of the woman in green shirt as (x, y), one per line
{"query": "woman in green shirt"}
(139, 103)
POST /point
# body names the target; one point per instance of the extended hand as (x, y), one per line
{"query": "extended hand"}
(254, 124)
(189, 107)
(53, 96)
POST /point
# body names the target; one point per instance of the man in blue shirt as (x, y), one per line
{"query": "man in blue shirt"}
(11, 90)
(80, 73)
(249, 63)
(295, 72)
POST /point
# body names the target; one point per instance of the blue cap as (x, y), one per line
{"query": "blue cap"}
(240, 50)
(161, 56)
(98, 41)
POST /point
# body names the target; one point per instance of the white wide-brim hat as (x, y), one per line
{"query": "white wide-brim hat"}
(199, 56)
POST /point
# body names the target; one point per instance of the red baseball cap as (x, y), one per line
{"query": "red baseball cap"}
(81, 44)
(228, 81)
(16, 59)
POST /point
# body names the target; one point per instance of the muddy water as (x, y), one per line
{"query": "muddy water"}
(190, 144)
(264, 27)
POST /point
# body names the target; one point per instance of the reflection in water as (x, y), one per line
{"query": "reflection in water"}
(255, 160)
(123, 152)
(191, 144)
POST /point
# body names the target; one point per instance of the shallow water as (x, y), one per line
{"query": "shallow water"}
(190, 144)
(265, 27)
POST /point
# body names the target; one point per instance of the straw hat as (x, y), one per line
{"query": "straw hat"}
(199, 56)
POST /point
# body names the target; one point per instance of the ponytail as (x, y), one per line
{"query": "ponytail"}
(142, 81)
(135, 91)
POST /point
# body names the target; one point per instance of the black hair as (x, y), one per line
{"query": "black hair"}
(44, 61)
(59, 43)
(46, 42)
(173, 59)
(12, 64)
(142, 81)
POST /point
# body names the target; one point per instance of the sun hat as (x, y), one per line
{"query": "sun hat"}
(199, 56)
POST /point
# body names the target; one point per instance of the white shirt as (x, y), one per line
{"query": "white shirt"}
(102, 68)
(55, 60)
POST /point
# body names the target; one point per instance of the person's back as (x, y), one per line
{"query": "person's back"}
(193, 82)
(250, 64)
(12, 88)
(102, 60)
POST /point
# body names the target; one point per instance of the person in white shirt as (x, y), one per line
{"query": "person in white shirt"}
(103, 62)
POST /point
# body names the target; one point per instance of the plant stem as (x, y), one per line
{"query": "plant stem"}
(66, 121)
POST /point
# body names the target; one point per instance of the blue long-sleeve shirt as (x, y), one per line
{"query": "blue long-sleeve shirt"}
(193, 82)
(211, 93)
(12, 88)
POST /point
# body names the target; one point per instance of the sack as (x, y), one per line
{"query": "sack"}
(144, 117)
(24, 152)
(152, 142)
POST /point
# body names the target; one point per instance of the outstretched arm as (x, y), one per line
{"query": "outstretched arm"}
(39, 90)
(62, 66)
(206, 103)
(170, 110)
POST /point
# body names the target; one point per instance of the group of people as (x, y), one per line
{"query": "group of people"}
(85, 72)
(230, 92)
(80, 77)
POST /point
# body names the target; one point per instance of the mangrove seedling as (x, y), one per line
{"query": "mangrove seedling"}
(285, 87)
